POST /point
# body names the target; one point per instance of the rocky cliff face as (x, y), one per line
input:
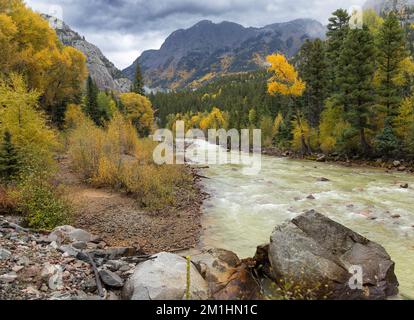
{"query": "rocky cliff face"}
(104, 72)
(207, 50)
(387, 5)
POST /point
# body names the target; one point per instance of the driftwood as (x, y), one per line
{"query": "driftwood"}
(97, 276)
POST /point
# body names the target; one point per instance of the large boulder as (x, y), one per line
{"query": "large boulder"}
(164, 277)
(317, 254)
(228, 278)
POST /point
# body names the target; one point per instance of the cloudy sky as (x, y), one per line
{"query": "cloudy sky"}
(122, 29)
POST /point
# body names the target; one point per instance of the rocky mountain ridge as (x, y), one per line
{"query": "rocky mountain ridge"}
(103, 71)
(207, 50)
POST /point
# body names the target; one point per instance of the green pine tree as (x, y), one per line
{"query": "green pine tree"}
(387, 143)
(91, 101)
(9, 159)
(313, 69)
(338, 29)
(356, 93)
(392, 51)
(138, 85)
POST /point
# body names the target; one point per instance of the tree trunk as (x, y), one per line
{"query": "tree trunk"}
(366, 148)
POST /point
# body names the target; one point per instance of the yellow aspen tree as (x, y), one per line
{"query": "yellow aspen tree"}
(286, 81)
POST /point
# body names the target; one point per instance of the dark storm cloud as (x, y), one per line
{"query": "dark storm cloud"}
(124, 28)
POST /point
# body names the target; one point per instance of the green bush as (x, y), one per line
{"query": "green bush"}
(42, 203)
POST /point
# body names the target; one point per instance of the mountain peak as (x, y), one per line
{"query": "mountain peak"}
(190, 57)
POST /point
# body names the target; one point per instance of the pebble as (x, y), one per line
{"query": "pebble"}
(310, 197)
(17, 269)
(111, 279)
(8, 278)
(4, 254)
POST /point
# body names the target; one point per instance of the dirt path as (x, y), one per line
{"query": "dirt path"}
(118, 219)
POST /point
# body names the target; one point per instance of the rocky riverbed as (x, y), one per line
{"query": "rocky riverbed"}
(72, 264)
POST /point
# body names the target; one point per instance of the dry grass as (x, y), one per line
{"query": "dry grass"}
(115, 157)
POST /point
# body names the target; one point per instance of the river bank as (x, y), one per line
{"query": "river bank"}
(396, 165)
(121, 222)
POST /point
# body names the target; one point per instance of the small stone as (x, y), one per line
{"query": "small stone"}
(404, 186)
(90, 285)
(125, 268)
(53, 275)
(323, 179)
(69, 250)
(311, 197)
(395, 216)
(80, 245)
(321, 158)
(5, 254)
(402, 168)
(396, 163)
(54, 245)
(111, 279)
(32, 291)
(44, 288)
(17, 269)
(23, 261)
(8, 278)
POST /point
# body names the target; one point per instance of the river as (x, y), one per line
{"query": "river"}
(243, 210)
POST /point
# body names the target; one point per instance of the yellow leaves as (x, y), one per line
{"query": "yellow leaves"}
(139, 112)
(216, 119)
(285, 80)
(405, 119)
(332, 127)
(30, 47)
(19, 115)
(277, 123)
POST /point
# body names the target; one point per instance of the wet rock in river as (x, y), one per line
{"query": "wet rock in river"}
(404, 186)
(311, 197)
(323, 252)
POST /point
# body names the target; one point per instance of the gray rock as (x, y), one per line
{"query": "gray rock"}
(80, 245)
(69, 250)
(164, 278)
(80, 235)
(115, 265)
(396, 163)
(8, 278)
(4, 254)
(316, 252)
(111, 279)
(53, 275)
(59, 234)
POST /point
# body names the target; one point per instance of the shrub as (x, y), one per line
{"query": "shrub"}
(42, 203)
(8, 203)
(115, 157)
